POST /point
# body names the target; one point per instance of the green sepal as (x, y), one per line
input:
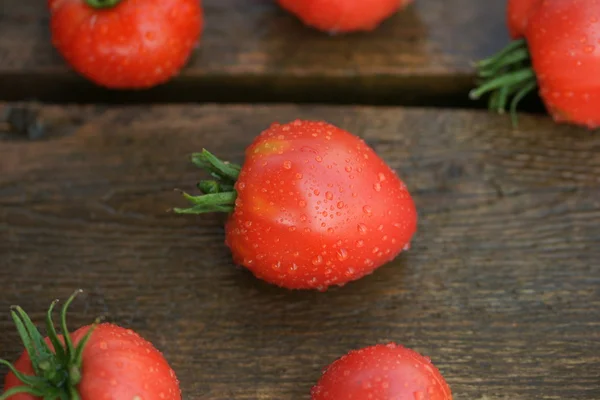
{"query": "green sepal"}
(20, 389)
(220, 170)
(219, 194)
(99, 4)
(53, 336)
(56, 373)
(508, 75)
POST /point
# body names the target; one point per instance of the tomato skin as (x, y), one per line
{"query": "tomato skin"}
(518, 14)
(132, 45)
(564, 42)
(317, 207)
(117, 364)
(382, 372)
(342, 16)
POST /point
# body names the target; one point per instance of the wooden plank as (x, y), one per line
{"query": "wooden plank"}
(253, 50)
(500, 287)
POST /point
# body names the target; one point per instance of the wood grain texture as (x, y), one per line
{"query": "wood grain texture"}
(500, 288)
(251, 49)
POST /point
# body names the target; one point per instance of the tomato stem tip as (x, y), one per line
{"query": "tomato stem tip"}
(99, 4)
(506, 75)
(219, 193)
(57, 372)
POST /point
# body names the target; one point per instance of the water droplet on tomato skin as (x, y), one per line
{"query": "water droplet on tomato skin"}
(419, 395)
(377, 187)
(361, 228)
(318, 260)
(103, 345)
(342, 254)
(367, 210)
(329, 195)
(360, 243)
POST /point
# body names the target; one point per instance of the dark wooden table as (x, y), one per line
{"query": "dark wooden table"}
(501, 287)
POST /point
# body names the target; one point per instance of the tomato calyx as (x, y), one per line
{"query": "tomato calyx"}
(506, 74)
(57, 373)
(219, 194)
(99, 4)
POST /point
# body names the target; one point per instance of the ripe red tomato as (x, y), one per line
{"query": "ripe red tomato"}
(518, 14)
(559, 54)
(126, 44)
(312, 206)
(341, 16)
(382, 372)
(116, 363)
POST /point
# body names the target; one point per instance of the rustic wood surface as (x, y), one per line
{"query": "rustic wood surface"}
(252, 50)
(500, 288)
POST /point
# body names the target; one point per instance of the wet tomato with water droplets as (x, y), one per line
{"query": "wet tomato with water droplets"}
(556, 50)
(126, 44)
(100, 361)
(382, 372)
(342, 16)
(312, 206)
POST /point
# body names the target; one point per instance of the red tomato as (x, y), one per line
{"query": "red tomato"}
(382, 372)
(559, 55)
(340, 16)
(117, 363)
(518, 14)
(315, 207)
(126, 44)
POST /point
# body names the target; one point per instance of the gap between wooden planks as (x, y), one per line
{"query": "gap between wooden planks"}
(252, 51)
(500, 286)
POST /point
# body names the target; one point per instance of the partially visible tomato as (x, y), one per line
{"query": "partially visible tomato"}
(342, 16)
(382, 372)
(518, 14)
(126, 44)
(557, 52)
(116, 363)
(312, 206)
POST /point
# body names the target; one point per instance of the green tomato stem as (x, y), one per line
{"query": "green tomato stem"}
(219, 194)
(99, 4)
(57, 372)
(507, 74)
